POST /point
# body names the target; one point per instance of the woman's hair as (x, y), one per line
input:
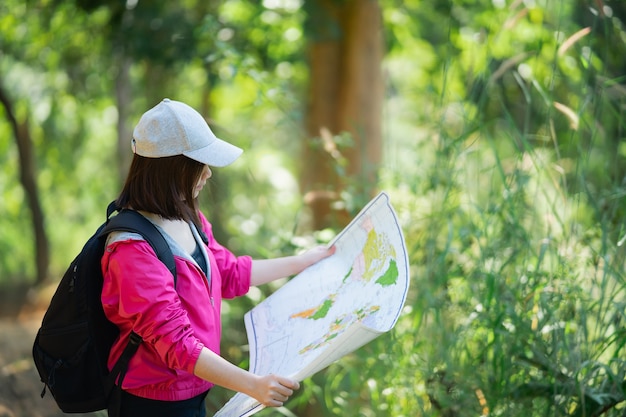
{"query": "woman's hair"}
(163, 186)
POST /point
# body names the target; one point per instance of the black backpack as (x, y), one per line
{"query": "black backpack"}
(72, 346)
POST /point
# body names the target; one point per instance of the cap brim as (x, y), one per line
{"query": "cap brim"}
(218, 154)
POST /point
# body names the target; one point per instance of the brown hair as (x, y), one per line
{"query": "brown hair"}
(163, 186)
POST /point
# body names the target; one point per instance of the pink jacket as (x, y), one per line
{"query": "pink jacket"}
(175, 323)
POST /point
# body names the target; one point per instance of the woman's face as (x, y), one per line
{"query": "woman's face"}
(204, 176)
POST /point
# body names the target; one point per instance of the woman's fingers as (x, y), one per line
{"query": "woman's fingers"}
(279, 389)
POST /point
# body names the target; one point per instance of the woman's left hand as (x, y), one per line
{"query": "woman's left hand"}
(266, 270)
(316, 254)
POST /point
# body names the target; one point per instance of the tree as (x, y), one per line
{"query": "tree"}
(28, 178)
(343, 143)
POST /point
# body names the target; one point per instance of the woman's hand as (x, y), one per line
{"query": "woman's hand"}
(270, 390)
(266, 270)
(273, 390)
(315, 255)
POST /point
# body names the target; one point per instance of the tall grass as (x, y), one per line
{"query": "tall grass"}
(517, 302)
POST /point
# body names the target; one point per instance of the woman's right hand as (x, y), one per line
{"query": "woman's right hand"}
(274, 390)
(270, 390)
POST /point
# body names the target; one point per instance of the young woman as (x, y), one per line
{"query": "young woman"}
(178, 361)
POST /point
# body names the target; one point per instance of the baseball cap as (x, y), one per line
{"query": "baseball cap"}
(174, 128)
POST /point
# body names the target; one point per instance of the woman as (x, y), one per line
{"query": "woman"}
(179, 321)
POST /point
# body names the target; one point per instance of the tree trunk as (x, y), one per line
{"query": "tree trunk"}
(361, 95)
(345, 96)
(123, 97)
(28, 178)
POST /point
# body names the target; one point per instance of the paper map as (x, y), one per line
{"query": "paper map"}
(333, 307)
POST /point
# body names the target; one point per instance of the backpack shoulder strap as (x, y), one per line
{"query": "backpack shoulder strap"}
(132, 221)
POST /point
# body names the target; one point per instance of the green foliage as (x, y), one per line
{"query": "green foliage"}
(513, 229)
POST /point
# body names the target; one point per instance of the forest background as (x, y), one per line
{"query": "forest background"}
(496, 126)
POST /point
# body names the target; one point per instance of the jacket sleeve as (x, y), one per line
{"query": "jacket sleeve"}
(234, 270)
(138, 293)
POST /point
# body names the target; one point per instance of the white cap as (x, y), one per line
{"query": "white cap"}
(173, 128)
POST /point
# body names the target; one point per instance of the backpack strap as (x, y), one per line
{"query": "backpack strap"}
(114, 380)
(131, 221)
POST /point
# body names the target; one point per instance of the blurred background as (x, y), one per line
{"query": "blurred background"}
(497, 127)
